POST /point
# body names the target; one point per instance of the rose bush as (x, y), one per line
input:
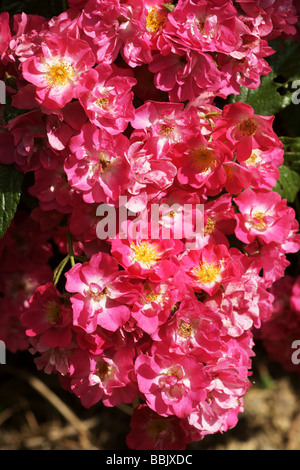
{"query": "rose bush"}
(134, 104)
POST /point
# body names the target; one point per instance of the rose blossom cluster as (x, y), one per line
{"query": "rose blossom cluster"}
(24, 253)
(280, 334)
(114, 104)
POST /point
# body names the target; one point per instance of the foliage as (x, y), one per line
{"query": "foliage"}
(10, 193)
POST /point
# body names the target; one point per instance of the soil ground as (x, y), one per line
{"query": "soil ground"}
(37, 414)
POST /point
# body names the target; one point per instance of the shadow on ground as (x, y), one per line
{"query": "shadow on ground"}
(30, 420)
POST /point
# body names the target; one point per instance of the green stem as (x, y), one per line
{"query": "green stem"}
(71, 252)
(58, 271)
(70, 257)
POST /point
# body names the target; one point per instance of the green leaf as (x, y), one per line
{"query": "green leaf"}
(291, 147)
(288, 184)
(292, 160)
(286, 60)
(10, 193)
(265, 100)
(291, 144)
(276, 89)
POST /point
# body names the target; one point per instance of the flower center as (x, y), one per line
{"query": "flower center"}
(201, 26)
(53, 310)
(39, 143)
(145, 253)
(103, 370)
(258, 220)
(155, 19)
(102, 102)
(152, 297)
(185, 329)
(96, 293)
(247, 127)
(204, 159)
(166, 130)
(175, 371)
(103, 162)
(253, 160)
(156, 427)
(207, 273)
(59, 73)
(210, 226)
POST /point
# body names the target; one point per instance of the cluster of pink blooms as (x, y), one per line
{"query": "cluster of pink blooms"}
(280, 334)
(116, 99)
(24, 254)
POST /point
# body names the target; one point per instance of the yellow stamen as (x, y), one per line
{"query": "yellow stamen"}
(247, 127)
(261, 223)
(207, 273)
(204, 159)
(253, 160)
(155, 19)
(102, 102)
(185, 329)
(166, 130)
(210, 226)
(59, 73)
(151, 297)
(145, 253)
